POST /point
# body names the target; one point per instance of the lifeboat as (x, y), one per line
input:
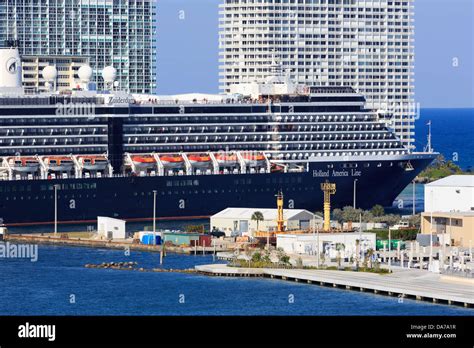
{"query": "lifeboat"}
(199, 160)
(59, 164)
(253, 159)
(276, 168)
(24, 164)
(143, 162)
(226, 160)
(94, 163)
(172, 161)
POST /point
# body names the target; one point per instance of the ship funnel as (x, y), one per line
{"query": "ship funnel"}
(10, 69)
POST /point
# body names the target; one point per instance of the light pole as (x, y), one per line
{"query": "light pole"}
(431, 230)
(154, 217)
(56, 187)
(413, 194)
(355, 189)
(360, 237)
(389, 248)
(317, 242)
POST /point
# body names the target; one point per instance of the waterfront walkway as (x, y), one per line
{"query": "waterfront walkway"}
(402, 283)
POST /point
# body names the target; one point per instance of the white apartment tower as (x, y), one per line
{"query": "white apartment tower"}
(366, 44)
(120, 33)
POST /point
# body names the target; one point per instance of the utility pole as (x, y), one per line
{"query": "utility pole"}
(431, 230)
(360, 237)
(154, 217)
(56, 210)
(355, 190)
(389, 248)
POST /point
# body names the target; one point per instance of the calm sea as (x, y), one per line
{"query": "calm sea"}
(46, 287)
(451, 134)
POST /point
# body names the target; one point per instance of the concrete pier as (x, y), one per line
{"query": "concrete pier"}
(402, 283)
(92, 243)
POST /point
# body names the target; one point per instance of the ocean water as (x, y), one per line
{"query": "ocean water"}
(452, 134)
(47, 286)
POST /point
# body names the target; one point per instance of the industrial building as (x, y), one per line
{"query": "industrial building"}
(458, 227)
(453, 193)
(109, 228)
(238, 221)
(328, 243)
(449, 209)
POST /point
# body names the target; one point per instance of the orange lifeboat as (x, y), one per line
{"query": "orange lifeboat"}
(172, 161)
(24, 164)
(199, 160)
(253, 158)
(143, 161)
(94, 162)
(59, 164)
(223, 159)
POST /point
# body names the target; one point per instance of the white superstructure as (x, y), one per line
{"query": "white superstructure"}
(368, 45)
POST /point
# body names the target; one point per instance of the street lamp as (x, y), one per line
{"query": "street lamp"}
(413, 196)
(154, 217)
(56, 187)
(355, 186)
(431, 230)
(389, 248)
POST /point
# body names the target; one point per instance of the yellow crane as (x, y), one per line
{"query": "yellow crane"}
(328, 189)
(280, 220)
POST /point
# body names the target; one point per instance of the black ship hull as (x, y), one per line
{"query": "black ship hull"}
(131, 198)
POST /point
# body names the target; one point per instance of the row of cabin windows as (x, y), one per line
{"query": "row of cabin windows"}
(50, 187)
(251, 128)
(162, 193)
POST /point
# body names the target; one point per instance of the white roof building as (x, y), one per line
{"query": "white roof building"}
(453, 193)
(238, 221)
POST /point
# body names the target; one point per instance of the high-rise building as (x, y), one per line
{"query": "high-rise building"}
(365, 44)
(120, 33)
(66, 66)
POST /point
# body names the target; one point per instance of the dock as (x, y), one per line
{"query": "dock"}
(402, 283)
(109, 244)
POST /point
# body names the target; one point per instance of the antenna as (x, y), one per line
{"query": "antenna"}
(428, 146)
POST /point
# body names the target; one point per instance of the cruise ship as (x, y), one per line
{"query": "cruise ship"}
(83, 153)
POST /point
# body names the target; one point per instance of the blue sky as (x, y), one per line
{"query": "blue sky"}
(188, 49)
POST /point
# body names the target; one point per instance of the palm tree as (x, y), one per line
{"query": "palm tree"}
(257, 216)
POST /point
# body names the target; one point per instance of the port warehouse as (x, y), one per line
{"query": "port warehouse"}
(449, 210)
(328, 242)
(238, 221)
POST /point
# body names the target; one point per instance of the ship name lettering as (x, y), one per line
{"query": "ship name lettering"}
(356, 172)
(340, 173)
(320, 173)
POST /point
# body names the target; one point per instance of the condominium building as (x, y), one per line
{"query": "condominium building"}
(365, 44)
(120, 33)
(67, 68)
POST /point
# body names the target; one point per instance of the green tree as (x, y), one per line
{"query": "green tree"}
(351, 214)
(257, 216)
(415, 221)
(337, 215)
(377, 210)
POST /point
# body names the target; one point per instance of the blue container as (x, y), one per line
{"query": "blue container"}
(147, 239)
